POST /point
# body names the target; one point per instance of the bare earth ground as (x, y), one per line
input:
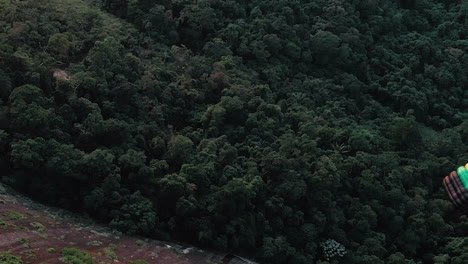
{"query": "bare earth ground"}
(38, 233)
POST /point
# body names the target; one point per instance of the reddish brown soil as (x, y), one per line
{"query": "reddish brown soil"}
(22, 236)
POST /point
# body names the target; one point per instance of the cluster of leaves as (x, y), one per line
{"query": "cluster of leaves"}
(259, 127)
(332, 249)
(76, 256)
(7, 258)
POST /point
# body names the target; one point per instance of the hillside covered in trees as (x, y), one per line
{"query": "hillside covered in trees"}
(279, 130)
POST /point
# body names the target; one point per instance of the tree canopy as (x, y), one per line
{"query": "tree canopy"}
(286, 131)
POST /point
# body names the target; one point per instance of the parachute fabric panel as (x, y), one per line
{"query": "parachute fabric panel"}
(462, 192)
(456, 185)
(451, 191)
(448, 191)
(463, 174)
(459, 185)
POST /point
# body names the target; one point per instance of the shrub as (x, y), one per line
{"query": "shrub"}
(76, 256)
(7, 258)
(14, 215)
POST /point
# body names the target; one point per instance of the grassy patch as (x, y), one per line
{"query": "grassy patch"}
(104, 234)
(94, 243)
(30, 254)
(5, 201)
(8, 258)
(141, 243)
(51, 250)
(24, 242)
(14, 215)
(76, 256)
(110, 252)
(38, 226)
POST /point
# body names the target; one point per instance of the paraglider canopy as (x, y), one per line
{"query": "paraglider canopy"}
(456, 185)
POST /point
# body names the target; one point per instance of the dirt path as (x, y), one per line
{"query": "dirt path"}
(38, 234)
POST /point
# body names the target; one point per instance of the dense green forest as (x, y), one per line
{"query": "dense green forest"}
(289, 131)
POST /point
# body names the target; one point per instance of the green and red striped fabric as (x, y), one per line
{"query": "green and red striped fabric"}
(459, 185)
(456, 185)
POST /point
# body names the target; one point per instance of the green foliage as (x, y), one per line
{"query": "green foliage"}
(178, 148)
(24, 242)
(76, 256)
(7, 258)
(135, 216)
(5, 84)
(325, 46)
(454, 252)
(277, 250)
(96, 243)
(110, 252)
(256, 127)
(26, 94)
(14, 215)
(141, 243)
(405, 132)
(60, 46)
(38, 226)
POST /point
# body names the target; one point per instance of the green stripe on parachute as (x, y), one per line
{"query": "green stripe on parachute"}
(463, 174)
